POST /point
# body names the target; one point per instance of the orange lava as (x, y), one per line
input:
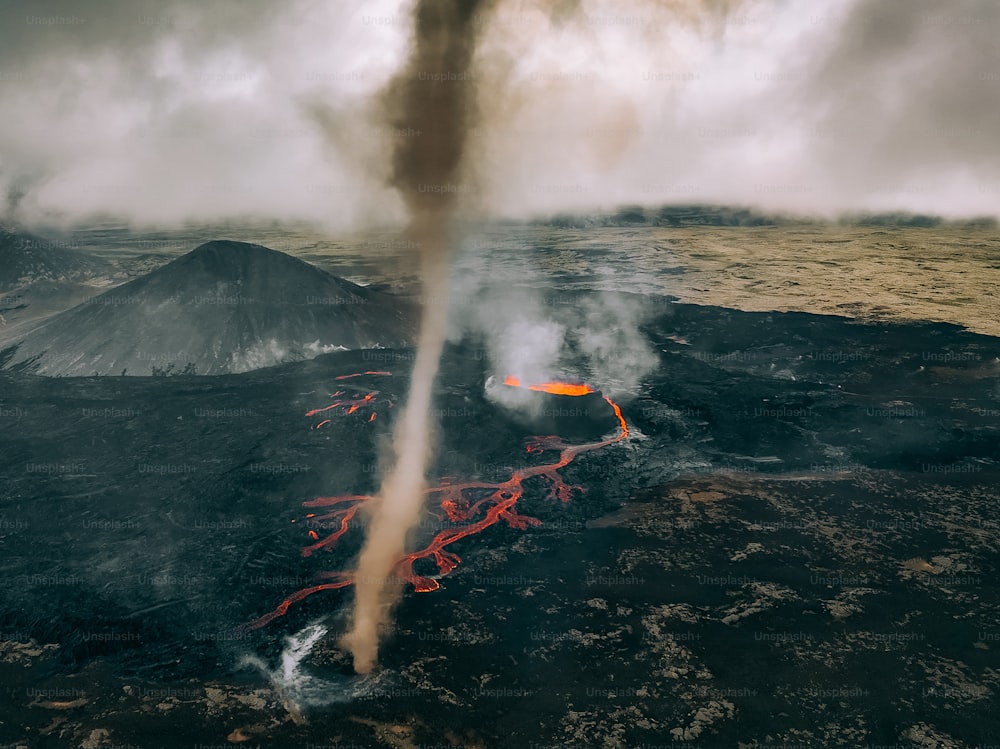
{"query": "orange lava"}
(350, 405)
(499, 504)
(556, 388)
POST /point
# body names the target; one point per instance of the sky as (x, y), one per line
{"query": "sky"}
(191, 111)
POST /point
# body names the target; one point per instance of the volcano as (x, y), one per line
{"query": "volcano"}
(26, 259)
(224, 307)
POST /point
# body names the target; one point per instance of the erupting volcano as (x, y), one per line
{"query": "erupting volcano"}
(474, 505)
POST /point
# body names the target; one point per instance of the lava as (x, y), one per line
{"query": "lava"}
(359, 374)
(497, 501)
(556, 388)
(348, 405)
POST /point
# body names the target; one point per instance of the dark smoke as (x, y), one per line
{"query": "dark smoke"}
(428, 110)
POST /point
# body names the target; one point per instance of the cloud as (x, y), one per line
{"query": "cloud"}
(204, 110)
(903, 100)
(192, 110)
(861, 105)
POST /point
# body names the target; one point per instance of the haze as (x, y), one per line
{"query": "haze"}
(163, 114)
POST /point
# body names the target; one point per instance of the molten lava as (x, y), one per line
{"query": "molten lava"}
(351, 405)
(499, 504)
(556, 388)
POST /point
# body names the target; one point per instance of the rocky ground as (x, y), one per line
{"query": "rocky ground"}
(797, 546)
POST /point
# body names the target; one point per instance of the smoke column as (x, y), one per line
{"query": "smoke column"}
(428, 110)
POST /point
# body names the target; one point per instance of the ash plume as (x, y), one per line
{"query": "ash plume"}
(429, 105)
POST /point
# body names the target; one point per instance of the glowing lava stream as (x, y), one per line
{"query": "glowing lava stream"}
(499, 505)
(350, 405)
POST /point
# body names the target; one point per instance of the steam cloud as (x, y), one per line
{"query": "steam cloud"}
(592, 334)
(426, 98)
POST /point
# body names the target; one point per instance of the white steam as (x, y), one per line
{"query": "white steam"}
(541, 335)
(299, 689)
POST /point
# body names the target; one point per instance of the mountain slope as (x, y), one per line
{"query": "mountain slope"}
(223, 307)
(26, 258)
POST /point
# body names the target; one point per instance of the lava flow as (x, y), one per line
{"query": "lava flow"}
(350, 405)
(556, 388)
(498, 504)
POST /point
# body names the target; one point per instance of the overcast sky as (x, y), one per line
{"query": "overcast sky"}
(165, 112)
